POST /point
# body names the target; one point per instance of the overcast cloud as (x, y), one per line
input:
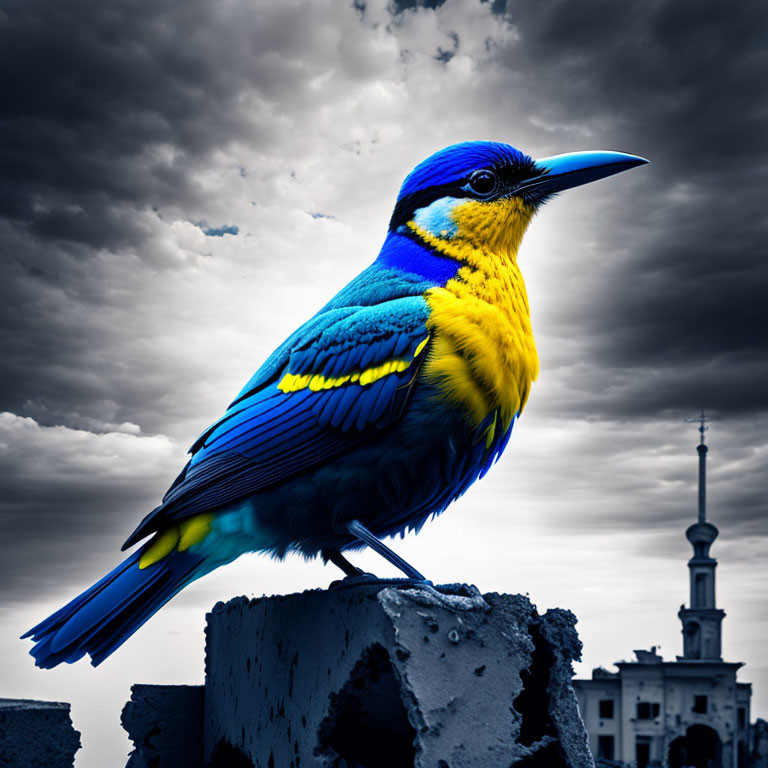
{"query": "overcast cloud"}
(184, 183)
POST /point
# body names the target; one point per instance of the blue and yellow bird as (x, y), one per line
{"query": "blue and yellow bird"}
(374, 415)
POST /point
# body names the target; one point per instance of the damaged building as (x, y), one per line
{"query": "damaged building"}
(687, 713)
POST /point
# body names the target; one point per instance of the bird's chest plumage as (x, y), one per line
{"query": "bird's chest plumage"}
(482, 355)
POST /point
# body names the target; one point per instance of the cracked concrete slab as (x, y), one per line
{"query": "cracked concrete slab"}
(379, 676)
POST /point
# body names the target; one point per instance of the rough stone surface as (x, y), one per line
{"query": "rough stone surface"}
(36, 734)
(377, 676)
(165, 724)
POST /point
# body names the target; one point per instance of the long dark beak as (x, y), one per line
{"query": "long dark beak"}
(575, 168)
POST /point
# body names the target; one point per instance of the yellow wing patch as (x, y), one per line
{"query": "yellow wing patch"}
(420, 348)
(490, 433)
(182, 536)
(293, 382)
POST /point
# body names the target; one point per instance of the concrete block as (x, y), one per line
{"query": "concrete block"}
(36, 734)
(165, 724)
(374, 676)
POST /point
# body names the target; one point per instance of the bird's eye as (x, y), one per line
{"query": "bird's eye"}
(483, 182)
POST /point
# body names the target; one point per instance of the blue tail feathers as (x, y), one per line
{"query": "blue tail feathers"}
(103, 617)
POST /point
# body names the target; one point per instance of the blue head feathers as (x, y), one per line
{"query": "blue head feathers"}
(449, 173)
(457, 162)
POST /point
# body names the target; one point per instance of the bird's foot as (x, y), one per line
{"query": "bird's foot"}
(363, 579)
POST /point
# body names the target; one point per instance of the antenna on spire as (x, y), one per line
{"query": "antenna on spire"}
(702, 419)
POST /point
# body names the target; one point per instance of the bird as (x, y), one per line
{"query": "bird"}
(371, 417)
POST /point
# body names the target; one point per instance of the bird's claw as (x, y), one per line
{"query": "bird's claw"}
(371, 580)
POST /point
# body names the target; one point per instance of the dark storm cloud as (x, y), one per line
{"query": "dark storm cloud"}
(112, 106)
(108, 113)
(103, 114)
(683, 84)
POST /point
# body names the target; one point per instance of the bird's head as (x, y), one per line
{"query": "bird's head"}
(485, 193)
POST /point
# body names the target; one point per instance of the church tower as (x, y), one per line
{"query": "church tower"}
(702, 621)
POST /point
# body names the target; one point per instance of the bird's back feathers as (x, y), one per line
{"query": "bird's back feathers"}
(348, 374)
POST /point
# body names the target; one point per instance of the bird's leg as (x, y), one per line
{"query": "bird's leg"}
(334, 556)
(357, 529)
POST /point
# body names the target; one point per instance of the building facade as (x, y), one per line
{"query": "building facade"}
(687, 713)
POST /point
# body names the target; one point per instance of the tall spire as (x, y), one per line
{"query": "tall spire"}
(702, 620)
(702, 418)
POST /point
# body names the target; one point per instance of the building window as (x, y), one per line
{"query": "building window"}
(606, 709)
(605, 747)
(648, 710)
(700, 590)
(700, 705)
(742, 715)
(693, 632)
(643, 751)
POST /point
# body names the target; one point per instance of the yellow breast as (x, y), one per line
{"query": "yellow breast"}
(483, 356)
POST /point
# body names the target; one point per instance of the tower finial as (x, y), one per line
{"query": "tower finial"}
(702, 418)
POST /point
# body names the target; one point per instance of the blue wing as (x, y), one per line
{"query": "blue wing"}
(343, 376)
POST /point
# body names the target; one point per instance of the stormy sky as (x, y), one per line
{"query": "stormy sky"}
(182, 184)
